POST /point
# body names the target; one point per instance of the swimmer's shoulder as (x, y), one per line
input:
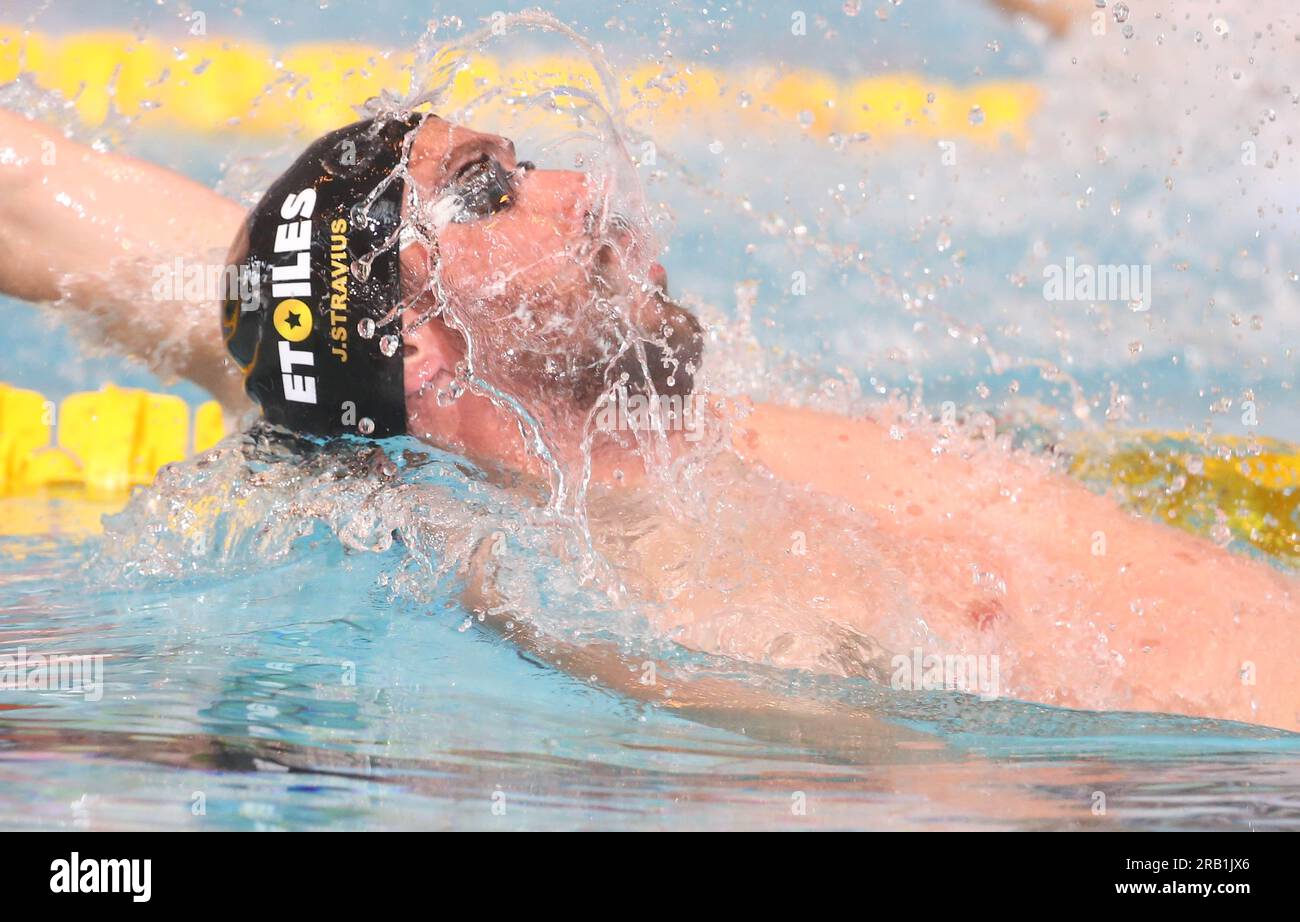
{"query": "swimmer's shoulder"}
(789, 435)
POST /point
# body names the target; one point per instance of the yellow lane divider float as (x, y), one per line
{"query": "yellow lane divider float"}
(213, 85)
(99, 444)
(1222, 487)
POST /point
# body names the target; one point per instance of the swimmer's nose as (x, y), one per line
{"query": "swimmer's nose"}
(612, 271)
(564, 192)
(572, 199)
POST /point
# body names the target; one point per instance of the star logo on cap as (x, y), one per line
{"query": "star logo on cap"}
(292, 320)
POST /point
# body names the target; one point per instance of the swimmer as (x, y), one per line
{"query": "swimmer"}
(476, 258)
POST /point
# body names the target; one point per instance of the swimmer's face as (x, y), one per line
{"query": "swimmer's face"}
(557, 292)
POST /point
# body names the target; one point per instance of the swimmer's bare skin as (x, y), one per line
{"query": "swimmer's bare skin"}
(88, 227)
(825, 726)
(995, 554)
(1161, 621)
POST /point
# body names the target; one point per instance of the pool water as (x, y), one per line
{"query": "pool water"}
(288, 666)
(296, 697)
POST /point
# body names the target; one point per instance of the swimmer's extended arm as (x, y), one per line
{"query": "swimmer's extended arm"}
(91, 230)
(823, 726)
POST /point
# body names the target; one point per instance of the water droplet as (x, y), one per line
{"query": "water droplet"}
(366, 328)
(852, 7)
(365, 425)
(448, 395)
(388, 344)
(1120, 12)
(976, 115)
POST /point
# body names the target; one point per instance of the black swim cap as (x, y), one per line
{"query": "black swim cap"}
(310, 326)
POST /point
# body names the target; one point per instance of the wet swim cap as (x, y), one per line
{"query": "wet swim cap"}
(310, 326)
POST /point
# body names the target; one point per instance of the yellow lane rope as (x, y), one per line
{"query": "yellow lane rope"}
(214, 85)
(100, 443)
(1246, 489)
